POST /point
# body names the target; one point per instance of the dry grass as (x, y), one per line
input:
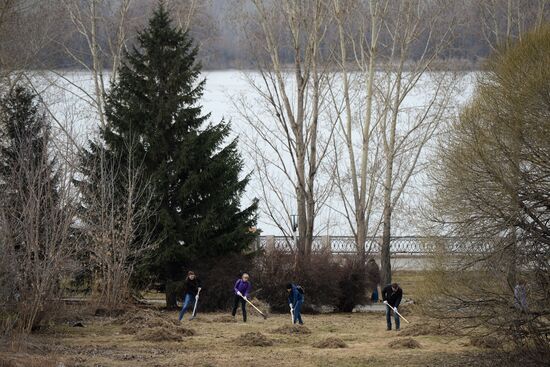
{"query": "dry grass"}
(331, 343)
(106, 343)
(147, 320)
(405, 343)
(140, 317)
(426, 329)
(486, 342)
(292, 330)
(27, 360)
(254, 339)
(158, 334)
(224, 319)
(124, 342)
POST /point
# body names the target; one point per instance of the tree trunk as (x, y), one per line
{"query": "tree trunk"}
(302, 224)
(361, 238)
(385, 263)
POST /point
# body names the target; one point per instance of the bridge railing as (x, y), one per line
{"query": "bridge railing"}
(399, 245)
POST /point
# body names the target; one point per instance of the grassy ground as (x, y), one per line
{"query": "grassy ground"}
(104, 343)
(217, 341)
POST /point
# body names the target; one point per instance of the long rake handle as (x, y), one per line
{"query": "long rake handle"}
(252, 304)
(398, 314)
(195, 307)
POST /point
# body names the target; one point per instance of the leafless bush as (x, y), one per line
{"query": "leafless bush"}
(328, 280)
(37, 212)
(117, 219)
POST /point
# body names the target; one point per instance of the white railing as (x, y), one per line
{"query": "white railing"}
(399, 245)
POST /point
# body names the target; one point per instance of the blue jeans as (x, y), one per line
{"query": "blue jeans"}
(389, 310)
(298, 312)
(186, 302)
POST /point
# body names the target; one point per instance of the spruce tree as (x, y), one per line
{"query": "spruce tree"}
(24, 140)
(195, 173)
(28, 175)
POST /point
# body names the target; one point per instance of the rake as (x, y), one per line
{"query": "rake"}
(398, 314)
(195, 307)
(256, 308)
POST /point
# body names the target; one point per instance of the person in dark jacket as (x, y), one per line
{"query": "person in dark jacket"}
(192, 290)
(393, 294)
(295, 301)
(241, 289)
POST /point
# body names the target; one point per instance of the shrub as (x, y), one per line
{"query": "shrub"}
(354, 283)
(328, 280)
(319, 278)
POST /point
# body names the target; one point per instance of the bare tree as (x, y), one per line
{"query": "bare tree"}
(286, 138)
(117, 217)
(358, 28)
(388, 108)
(407, 127)
(94, 19)
(502, 22)
(37, 210)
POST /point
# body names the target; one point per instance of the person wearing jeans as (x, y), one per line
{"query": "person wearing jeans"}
(241, 289)
(192, 290)
(295, 301)
(392, 294)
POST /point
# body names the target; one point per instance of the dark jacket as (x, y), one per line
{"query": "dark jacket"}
(295, 295)
(393, 298)
(192, 286)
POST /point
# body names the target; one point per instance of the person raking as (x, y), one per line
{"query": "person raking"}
(241, 289)
(295, 301)
(192, 290)
(393, 294)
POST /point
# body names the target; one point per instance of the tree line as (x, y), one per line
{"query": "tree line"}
(57, 33)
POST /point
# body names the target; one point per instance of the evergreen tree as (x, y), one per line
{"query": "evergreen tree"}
(196, 175)
(29, 178)
(24, 139)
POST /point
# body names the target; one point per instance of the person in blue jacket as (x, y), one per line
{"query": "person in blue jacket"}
(295, 301)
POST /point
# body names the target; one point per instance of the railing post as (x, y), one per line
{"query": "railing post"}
(326, 244)
(270, 243)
